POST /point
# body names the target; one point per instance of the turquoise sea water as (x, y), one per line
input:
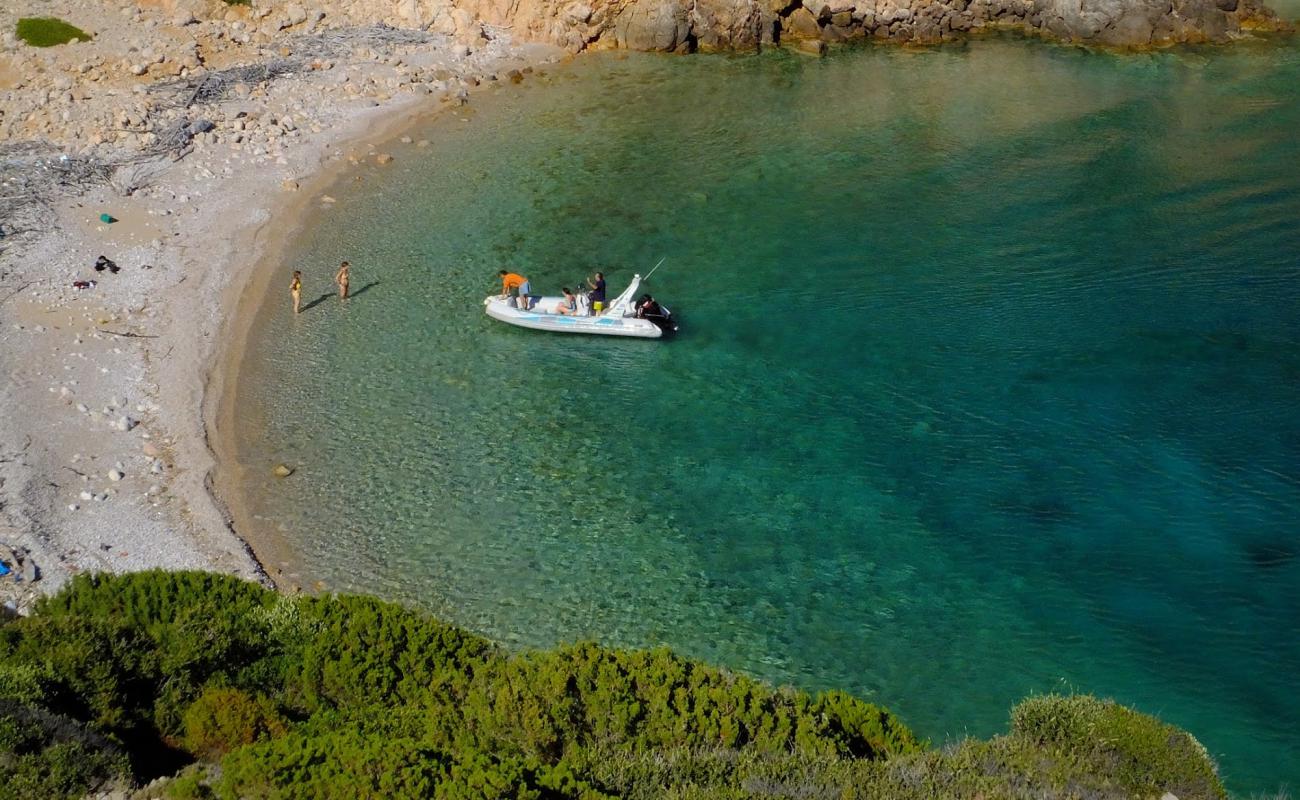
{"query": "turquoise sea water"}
(987, 383)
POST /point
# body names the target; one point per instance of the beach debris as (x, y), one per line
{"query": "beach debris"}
(282, 471)
(289, 186)
(383, 158)
(115, 475)
(83, 284)
(126, 334)
(105, 263)
(327, 199)
(125, 423)
(20, 565)
(107, 219)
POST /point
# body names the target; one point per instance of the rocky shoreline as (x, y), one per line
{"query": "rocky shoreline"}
(151, 62)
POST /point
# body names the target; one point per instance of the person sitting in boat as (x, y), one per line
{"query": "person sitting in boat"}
(648, 308)
(569, 305)
(597, 293)
(516, 287)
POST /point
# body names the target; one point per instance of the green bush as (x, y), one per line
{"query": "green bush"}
(1137, 750)
(48, 32)
(223, 719)
(323, 697)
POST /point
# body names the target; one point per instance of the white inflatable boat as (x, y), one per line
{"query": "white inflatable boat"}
(618, 319)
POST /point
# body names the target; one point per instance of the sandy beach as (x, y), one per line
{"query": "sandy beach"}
(108, 408)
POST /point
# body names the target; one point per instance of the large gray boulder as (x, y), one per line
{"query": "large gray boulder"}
(651, 25)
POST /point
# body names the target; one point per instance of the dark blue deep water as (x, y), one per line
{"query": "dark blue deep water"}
(988, 383)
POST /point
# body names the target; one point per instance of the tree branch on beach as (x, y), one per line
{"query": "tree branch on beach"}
(128, 334)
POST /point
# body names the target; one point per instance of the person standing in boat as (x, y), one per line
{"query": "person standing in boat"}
(597, 293)
(516, 286)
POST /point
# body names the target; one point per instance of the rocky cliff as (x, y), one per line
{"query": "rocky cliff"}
(688, 25)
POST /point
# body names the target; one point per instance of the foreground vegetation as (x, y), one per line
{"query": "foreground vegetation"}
(241, 692)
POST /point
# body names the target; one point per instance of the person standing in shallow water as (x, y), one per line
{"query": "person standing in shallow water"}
(341, 278)
(295, 291)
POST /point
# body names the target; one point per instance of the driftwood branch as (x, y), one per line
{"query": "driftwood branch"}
(127, 334)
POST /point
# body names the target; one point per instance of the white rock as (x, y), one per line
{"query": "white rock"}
(73, 506)
(115, 475)
(86, 495)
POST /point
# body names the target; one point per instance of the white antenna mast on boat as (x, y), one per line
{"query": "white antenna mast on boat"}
(656, 266)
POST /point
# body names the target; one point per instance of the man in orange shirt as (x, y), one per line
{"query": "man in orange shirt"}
(516, 286)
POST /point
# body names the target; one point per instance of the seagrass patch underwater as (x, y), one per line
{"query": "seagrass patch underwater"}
(986, 385)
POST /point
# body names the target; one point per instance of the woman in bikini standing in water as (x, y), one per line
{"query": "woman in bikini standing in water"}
(343, 278)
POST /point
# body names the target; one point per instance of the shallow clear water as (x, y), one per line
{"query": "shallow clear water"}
(987, 383)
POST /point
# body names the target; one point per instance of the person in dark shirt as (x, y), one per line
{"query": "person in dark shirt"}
(597, 293)
(648, 308)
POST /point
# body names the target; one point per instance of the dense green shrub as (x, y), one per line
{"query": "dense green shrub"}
(1135, 749)
(324, 697)
(224, 718)
(48, 32)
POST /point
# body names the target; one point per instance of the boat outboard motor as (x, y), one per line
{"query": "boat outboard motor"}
(649, 308)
